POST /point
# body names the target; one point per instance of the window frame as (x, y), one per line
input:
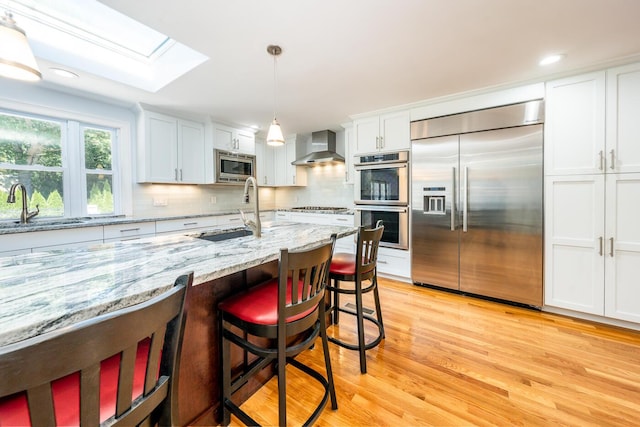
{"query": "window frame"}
(72, 143)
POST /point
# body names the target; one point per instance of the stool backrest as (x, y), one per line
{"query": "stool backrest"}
(367, 249)
(33, 365)
(303, 277)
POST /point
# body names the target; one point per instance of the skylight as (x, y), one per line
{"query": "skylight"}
(89, 36)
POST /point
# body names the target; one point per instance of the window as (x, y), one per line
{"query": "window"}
(90, 36)
(66, 167)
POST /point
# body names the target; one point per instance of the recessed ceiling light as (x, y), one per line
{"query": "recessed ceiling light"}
(63, 73)
(551, 59)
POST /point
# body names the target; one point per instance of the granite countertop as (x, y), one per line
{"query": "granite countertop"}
(47, 224)
(44, 291)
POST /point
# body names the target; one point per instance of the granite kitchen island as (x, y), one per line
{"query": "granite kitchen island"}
(45, 291)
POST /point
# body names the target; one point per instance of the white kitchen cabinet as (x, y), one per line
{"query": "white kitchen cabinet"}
(129, 231)
(575, 125)
(286, 174)
(234, 140)
(45, 240)
(349, 145)
(170, 150)
(186, 225)
(386, 132)
(593, 244)
(236, 219)
(574, 243)
(622, 247)
(623, 119)
(265, 164)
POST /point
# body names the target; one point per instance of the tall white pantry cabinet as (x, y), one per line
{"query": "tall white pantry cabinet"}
(592, 193)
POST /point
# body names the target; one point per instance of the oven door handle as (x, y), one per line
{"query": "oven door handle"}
(362, 167)
(401, 209)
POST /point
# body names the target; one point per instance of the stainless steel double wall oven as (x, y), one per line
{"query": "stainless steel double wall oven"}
(382, 193)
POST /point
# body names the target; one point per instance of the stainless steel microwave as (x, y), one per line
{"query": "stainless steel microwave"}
(233, 168)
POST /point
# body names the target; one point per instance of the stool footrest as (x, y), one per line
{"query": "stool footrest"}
(371, 319)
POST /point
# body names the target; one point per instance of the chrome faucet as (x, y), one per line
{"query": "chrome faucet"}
(254, 225)
(25, 215)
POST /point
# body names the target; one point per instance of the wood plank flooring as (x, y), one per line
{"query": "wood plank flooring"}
(454, 360)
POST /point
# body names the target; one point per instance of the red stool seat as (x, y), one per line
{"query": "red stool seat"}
(259, 304)
(14, 410)
(343, 264)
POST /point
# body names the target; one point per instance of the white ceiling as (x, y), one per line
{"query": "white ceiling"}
(344, 57)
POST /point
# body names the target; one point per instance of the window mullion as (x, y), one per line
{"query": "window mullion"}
(74, 182)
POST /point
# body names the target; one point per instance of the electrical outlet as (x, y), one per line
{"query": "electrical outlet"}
(160, 201)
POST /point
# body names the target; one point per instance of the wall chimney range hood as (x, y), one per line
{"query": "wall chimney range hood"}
(323, 150)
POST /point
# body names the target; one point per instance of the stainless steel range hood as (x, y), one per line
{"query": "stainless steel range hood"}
(323, 150)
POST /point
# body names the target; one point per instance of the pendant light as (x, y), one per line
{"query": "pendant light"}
(274, 136)
(16, 58)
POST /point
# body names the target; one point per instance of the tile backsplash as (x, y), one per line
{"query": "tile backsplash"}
(325, 187)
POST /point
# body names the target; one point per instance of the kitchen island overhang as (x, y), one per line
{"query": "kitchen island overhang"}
(45, 291)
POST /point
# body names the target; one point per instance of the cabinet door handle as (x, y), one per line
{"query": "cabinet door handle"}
(613, 160)
(601, 160)
(128, 230)
(382, 142)
(180, 174)
(611, 247)
(377, 142)
(176, 173)
(601, 242)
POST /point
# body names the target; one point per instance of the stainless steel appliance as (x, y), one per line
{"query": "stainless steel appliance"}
(382, 179)
(476, 191)
(382, 193)
(395, 220)
(233, 168)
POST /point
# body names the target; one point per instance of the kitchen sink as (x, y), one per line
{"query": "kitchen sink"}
(44, 222)
(218, 236)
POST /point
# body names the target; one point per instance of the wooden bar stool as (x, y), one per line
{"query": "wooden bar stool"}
(358, 269)
(117, 369)
(290, 312)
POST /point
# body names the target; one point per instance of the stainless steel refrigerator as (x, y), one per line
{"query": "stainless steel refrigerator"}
(476, 218)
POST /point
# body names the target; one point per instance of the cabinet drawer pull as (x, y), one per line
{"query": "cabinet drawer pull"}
(190, 223)
(381, 261)
(128, 230)
(343, 219)
(611, 247)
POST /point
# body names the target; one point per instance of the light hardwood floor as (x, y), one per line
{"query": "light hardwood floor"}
(454, 360)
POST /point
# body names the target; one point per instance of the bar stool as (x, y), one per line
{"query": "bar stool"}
(358, 268)
(291, 305)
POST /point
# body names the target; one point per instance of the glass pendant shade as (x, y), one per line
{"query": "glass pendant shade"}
(16, 59)
(274, 136)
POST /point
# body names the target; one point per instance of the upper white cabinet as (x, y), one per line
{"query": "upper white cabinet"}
(349, 145)
(623, 119)
(265, 164)
(233, 140)
(574, 125)
(386, 132)
(579, 109)
(286, 174)
(170, 150)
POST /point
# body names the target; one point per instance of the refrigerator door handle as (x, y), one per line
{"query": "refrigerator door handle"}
(465, 199)
(453, 200)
